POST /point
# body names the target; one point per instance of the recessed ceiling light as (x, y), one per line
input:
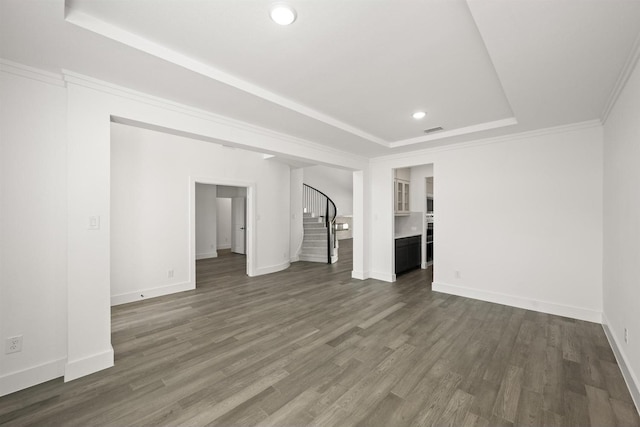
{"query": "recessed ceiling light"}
(419, 115)
(282, 14)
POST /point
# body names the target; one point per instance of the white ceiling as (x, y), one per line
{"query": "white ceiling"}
(347, 74)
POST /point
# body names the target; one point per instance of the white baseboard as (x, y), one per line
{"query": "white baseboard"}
(629, 376)
(271, 269)
(294, 258)
(207, 255)
(385, 277)
(88, 365)
(224, 246)
(16, 381)
(360, 275)
(520, 302)
(151, 293)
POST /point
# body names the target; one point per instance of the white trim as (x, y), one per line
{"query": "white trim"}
(411, 155)
(623, 77)
(294, 259)
(151, 293)
(456, 132)
(16, 381)
(207, 255)
(225, 246)
(113, 32)
(270, 269)
(627, 373)
(520, 302)
(32, 73)
(360, 275)
(88, 365)
(145, 98)
(385, 277)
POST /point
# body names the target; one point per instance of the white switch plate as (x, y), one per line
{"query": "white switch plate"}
(94, 223)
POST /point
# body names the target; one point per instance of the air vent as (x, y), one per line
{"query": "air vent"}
(438, 129)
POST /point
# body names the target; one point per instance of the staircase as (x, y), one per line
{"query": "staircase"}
(314, 242)
(319, 243)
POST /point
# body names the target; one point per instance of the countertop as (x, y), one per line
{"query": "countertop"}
(407, 234)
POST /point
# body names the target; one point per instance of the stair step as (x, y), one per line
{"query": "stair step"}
(315, 231)
(314, 244)
(313, 258)
(314, 225)
(315, 236)
(312, 221)
(314, 250)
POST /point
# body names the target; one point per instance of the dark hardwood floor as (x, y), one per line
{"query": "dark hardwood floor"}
(312, 347)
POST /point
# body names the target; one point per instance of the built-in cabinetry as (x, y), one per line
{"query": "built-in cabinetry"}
(429, 220)
(401, 180)
(408, 253)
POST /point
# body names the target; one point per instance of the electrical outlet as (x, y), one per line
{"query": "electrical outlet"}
(626, 336)
(13, 344)
(170, 274)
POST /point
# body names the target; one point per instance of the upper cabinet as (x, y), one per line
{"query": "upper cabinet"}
(402, 178)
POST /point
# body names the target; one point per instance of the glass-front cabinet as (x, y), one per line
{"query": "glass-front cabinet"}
(401, 197)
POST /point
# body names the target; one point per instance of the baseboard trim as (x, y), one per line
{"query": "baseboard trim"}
(294, 259)
(16, 381)
(629, 376)
(515, 301)
(220, 247)
(88, 365)
(207, 255)
(151, 293)
(271, 269)
(360, 275)
(385, 277)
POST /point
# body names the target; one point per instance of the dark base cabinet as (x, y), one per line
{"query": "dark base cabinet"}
(408, 253)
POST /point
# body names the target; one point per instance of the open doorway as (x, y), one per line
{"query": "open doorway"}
(413, 197)
(220, 231)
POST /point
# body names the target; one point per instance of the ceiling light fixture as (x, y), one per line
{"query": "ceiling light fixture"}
(419, 115)
(282, 13)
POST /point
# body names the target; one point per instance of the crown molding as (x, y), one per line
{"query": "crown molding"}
(71, 77)
(456, 132)
(32, 73)
(572, 127)
(113, 32)
(623, 77)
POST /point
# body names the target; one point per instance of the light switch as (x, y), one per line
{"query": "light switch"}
(94, 223)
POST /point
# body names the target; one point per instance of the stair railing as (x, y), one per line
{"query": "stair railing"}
(316, 201)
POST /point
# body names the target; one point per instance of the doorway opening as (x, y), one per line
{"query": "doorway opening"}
(414, 223)
(220, 231)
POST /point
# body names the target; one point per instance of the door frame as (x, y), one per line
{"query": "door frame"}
(234, 230)
(250, 223)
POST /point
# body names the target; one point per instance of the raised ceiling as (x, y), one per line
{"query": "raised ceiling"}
(346, 74)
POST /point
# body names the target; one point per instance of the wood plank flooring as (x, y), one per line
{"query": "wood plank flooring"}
(312, 347)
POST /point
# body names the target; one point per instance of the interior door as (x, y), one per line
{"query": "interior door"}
(238, 226)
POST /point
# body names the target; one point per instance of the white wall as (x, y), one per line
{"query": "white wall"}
(622, 230)
(519, 218)
(417, 189)
(157, 168)
(33, 233)
(231, 191)
(335, 183)
(223, 223)
(206, 221)
(297, 230)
